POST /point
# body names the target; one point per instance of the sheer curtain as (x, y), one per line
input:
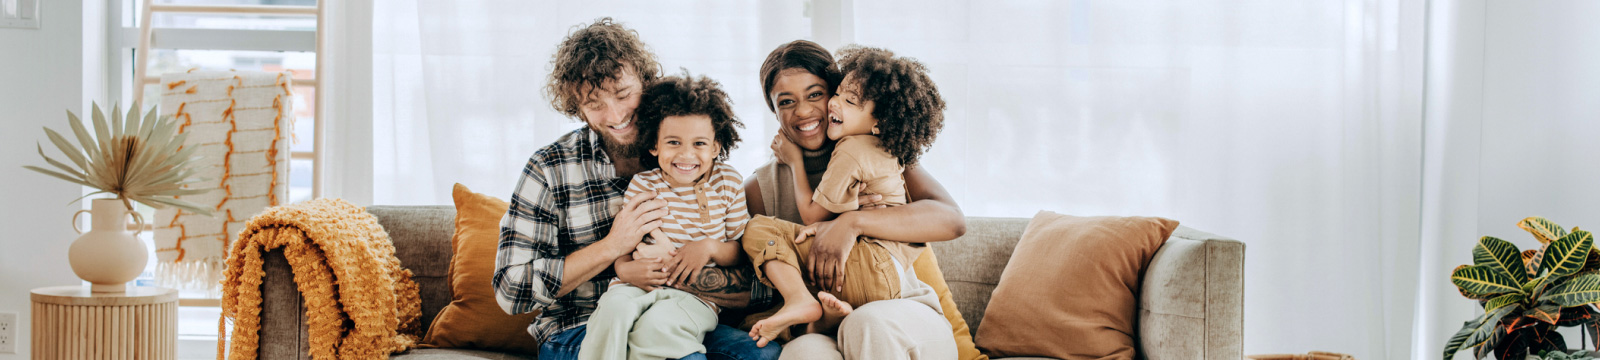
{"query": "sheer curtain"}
(1294, 126)
(457, 84)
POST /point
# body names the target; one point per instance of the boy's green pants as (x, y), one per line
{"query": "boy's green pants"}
(633, 324)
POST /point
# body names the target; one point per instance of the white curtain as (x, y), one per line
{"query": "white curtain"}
(1510, 131)
(1308, 129)
(1292, 125)
(458, 84)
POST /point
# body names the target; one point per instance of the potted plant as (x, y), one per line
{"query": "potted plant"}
(136, 159)
(1526, 295)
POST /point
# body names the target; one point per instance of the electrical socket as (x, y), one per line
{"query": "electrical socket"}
(8, 333)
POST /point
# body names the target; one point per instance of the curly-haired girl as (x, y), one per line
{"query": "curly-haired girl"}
(885, 115)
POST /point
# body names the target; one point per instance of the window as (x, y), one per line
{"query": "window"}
(219, 41)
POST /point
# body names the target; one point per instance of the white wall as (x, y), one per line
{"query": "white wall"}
(42, 73)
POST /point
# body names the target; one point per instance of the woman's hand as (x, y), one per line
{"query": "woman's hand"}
(830, 252)
(691, 258)
(787, 151)
(868, 201)
(643, 273)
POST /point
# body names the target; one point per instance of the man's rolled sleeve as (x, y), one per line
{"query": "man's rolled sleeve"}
(528, 265)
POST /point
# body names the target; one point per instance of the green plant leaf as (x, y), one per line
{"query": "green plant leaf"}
(1482, 280)
(1577, 315)
(1542, 229)
(1547, 313)
(1575, 291)
(1482, 350)
(1503, 300)
(1566, 255)
(1474, 332)
(1501, 256)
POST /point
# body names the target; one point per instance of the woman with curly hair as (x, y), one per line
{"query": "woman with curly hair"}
(885, 115)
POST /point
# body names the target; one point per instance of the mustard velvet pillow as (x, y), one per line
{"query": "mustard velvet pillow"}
(927, 269)
(473, 319)
(1071, 288)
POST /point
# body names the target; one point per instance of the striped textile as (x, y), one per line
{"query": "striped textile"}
(239, 123)
(712, 209)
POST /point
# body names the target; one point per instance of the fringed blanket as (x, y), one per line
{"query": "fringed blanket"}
(344, 266)
(239, 123)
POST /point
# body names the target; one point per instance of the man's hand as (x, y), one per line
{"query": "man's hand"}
(643, 273)
(686, 265)
(829, 253)
(638, 217)
(787, 151)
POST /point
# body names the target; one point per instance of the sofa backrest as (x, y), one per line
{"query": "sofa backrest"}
(972, 263)
(421, 236)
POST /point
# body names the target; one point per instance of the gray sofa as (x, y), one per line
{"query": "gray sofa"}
(1191, 305)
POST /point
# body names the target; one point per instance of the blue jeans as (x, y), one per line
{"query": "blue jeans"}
(724, 343)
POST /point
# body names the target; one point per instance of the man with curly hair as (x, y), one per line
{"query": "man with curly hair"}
(569, 231)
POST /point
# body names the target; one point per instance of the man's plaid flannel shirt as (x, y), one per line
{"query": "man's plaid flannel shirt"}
(566, 199)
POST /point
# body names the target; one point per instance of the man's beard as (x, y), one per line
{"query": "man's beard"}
(613, 146)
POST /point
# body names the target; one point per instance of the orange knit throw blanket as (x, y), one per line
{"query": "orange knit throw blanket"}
(344, 266)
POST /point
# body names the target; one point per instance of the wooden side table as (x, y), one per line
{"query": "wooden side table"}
(70, 322)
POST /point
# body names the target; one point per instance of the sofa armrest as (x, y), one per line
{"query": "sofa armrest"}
(283, 329)
(1191, 304)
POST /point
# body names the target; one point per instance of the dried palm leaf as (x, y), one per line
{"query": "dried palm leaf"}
(136, 158)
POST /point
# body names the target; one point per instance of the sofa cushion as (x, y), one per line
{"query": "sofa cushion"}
(473, 319)
(1072, 278)
(927, 268)
(972, 263)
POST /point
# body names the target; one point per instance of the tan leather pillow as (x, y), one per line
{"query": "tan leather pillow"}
(927, 269)
(473, 319)
(1071, 288)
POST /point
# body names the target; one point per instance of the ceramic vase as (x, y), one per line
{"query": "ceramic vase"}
(108, 256)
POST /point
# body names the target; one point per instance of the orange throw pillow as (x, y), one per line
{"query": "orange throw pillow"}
(927, 269)
(1071, 288)
(473, 319)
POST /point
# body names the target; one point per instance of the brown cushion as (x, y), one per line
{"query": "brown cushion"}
(927, 269)
(1070, 290)
(473, 319)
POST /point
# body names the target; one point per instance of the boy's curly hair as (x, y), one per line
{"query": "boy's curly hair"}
(590, 56)
(908, 107)
(681, 96)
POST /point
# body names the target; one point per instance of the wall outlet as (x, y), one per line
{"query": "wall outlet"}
(8, 333)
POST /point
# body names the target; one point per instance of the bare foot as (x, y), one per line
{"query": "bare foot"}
(833, 312)
(792, 313)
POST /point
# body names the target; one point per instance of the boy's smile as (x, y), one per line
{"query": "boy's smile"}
(686, 149)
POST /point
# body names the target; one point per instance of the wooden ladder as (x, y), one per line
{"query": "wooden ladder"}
(142, 63)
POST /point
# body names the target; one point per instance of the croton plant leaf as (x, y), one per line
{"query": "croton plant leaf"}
(1567, 255)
